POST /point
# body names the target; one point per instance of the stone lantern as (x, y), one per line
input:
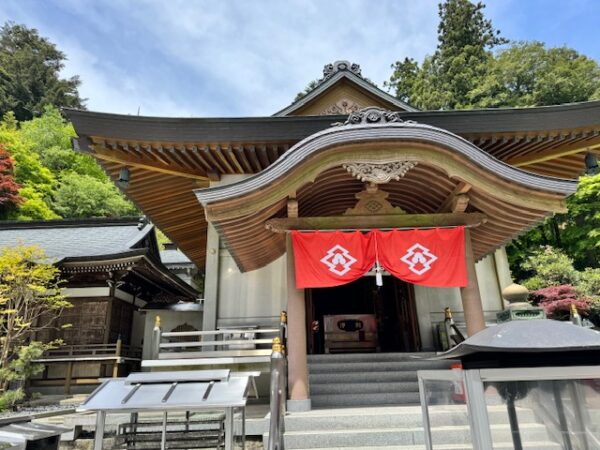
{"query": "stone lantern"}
(516, 305)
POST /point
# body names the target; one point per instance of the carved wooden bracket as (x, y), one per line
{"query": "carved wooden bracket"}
(373, 201)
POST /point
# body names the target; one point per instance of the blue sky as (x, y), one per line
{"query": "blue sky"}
(248, 58)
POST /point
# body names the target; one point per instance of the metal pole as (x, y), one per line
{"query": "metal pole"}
(562, 419)
(229, 429)
(283, 328)
(514, 422)
(277, 393)
(163, 437)
(478, 416)
(243, 428)
(156, 337)
(575, 317)
(99, 433)
(425, 412)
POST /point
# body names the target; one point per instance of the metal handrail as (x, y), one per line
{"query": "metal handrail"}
(278, 387)
(278, 396)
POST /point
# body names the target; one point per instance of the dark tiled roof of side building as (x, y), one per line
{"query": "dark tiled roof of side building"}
(76, 237)
(170, 257)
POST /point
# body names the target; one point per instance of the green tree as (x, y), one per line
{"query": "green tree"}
(575, 233)
(29, 294)
(83, 196)
(30, 68)
(446, 79)
(529, 74)
(48, 169)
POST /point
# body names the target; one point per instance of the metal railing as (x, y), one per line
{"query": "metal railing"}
(453, 335)
(91, 350)
(236, 343)
(278, 390)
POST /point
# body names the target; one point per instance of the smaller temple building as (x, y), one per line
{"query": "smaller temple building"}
(114, 276)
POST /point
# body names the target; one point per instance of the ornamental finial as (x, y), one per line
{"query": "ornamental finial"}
(374, 116)
(340, 66)
(277, 346)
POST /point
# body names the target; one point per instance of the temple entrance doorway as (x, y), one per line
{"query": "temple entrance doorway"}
(362, 317)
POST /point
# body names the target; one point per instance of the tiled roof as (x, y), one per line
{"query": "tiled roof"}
(72, 238)
(174, 256)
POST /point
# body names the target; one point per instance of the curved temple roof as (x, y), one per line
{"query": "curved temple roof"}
(512, 199)
(170, 157)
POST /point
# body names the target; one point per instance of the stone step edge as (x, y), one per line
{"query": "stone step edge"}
(527, 426)
(534, 445)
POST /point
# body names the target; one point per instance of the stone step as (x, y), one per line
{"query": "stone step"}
(374, 376)
(384, 366)
(371, 399)
(374, 437)
(373, 357)
(538, 445)
(363, 388)
(394, 417)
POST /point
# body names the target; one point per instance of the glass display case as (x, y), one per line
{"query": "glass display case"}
(521, 385)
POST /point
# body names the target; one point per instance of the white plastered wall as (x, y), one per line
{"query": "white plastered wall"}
(250, 298)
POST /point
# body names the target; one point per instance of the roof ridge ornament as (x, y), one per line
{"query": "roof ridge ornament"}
(330, 70)
(373, 115)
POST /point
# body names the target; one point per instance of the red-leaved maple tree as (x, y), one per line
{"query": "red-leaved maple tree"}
(9, 188)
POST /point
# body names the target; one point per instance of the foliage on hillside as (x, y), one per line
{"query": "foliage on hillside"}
(54, 180)
(30, 68)
(474, 67)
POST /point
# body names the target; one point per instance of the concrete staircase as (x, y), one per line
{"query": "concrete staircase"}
(363, 379)
(400, 428)
(352, 396)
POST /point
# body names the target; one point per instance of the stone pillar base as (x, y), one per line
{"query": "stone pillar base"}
(299, 405)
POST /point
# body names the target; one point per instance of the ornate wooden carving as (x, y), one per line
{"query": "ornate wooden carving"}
(379, 173)
(374, 115)
(373, 201)
(343, 106)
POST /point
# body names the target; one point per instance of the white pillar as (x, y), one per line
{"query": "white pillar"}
(211, 280)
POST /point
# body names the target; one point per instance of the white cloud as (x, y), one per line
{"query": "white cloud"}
(213, 58)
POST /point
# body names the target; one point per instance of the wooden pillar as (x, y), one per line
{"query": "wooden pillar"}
(118, 348)
(296, 340)
(471, 298)
(68, 378)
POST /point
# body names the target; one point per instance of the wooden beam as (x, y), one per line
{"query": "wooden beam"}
(554, 153)
(283, 225)
(458, 199)
(132, 162)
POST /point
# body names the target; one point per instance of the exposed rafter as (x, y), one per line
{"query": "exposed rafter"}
(170, 169)
(554, 153)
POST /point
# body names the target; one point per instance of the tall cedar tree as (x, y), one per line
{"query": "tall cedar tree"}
(30, 68)
(9, 189)
(445, 79)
